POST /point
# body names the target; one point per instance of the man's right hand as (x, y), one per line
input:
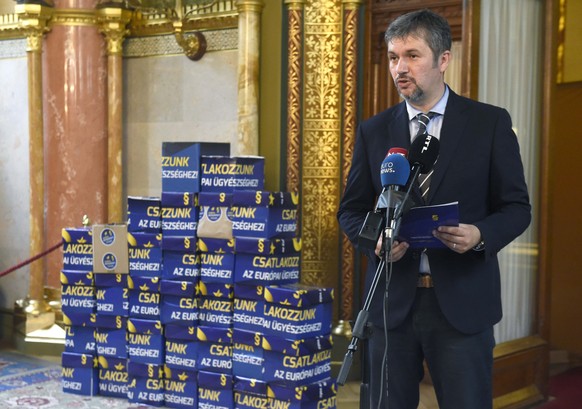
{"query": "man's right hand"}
(398, 249)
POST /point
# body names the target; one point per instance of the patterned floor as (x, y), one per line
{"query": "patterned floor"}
(32, 383)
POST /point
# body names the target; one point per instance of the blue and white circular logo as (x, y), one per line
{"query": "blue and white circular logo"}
(109, 261)
(107, 237)
(213, 213)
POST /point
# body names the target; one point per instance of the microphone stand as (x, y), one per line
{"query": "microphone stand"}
(360, 330)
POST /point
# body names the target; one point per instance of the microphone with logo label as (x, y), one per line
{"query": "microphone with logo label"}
(394, 173)
(422, 156)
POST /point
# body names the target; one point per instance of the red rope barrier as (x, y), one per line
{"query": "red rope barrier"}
(30, 260)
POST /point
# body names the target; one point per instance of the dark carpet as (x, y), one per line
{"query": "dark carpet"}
(565, 390)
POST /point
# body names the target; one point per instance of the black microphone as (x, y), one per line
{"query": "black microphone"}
(422, 156)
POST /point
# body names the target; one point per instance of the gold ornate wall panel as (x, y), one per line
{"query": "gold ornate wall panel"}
(349, 114)
(295, 13)
(321, 142)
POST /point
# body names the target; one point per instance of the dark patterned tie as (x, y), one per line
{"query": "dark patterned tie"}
(424, 179)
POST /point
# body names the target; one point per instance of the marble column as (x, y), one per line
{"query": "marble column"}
(75, 122)
(113, 22)
(249, 25)
(33, 19)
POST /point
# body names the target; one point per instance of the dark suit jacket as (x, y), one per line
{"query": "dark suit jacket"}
(479, 166)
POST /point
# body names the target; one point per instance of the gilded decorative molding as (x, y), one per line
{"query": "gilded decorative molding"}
(166, 44)
(74, 17)
(295, 4)
(9, 27)
(350, 64)
(294, 92)
(253, 6)
(222, 16)
(113, 24)
(321, 142)
(160, 24)
(33, 20)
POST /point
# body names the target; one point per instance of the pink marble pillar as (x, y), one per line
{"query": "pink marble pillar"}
(75, 123)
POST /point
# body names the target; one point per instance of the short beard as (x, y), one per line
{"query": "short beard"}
(416, 97)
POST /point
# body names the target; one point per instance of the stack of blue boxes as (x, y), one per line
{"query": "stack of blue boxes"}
(181, 184)
(79, 359)
(212, 311)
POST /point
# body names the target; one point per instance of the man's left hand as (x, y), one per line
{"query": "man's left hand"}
(460, 238)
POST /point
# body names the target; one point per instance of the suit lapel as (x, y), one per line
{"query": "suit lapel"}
(454, 123)
(398, 128)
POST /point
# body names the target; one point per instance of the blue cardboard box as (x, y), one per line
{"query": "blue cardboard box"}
(250, 393)
(181, 259)
(215, 349)
(179, 302)
(144, 297)
(215, 390)
(247, 354)
(215, 217)
(216, 304)
(267, 261)
(226, 174)
(77, 277)
(113, 377)
(112, 294)
(216, 260)
(79, 373)
(264, 214)
(297, 362)
(180, 388)
(111, 335)
(179, 220)
(181, 347)
(145, 254)
(316, 395)
(249, 308)
(145, 341)
(78, 319)
(183, 244)
(298, 311)
(80, 339)
(77, 295)
(144, 214)
(181, 164)
(146, 383)
(77, 248)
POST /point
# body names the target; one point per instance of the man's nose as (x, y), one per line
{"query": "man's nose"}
(401, 66)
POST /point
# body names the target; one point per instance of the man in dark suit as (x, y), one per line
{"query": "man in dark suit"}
(441, 303)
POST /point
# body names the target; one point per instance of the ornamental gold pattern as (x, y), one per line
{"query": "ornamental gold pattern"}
(348, 139)
(294, 84)
(113, 22)
(321, 141)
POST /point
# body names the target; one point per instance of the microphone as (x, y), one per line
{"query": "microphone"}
(394, 172)
(424, 152)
